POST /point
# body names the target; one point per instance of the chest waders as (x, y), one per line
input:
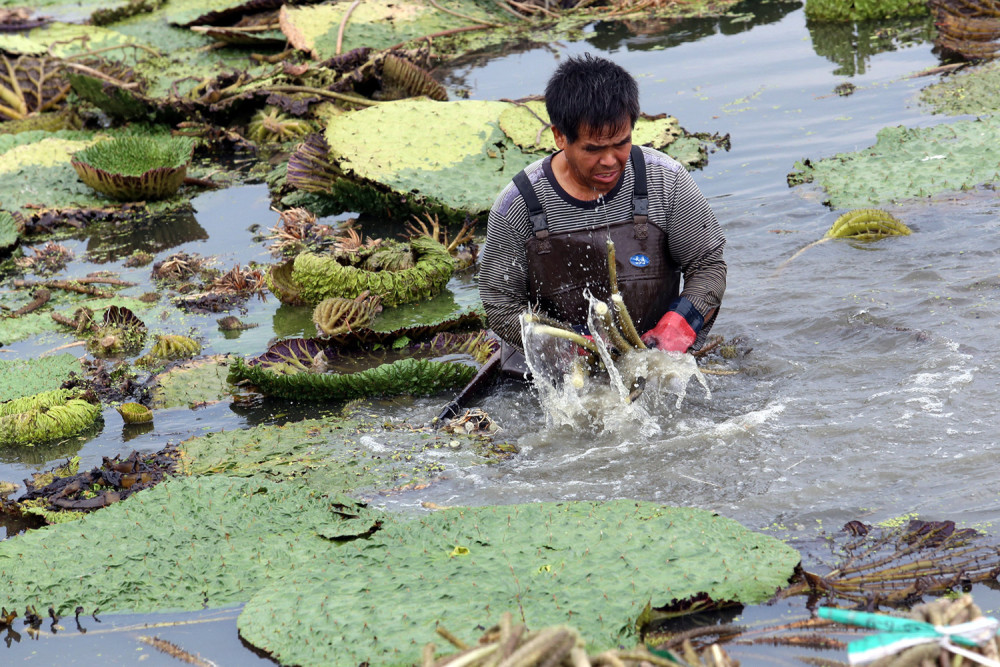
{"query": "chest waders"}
(562, 265)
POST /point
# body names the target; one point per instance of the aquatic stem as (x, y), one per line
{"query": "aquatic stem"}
(343, 26)
(463, 16)
(565, 334)
(609, 331)
(612, 268)
(322, 92)
(625, 321)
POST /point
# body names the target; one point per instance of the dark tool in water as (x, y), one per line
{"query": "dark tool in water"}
(476, 384)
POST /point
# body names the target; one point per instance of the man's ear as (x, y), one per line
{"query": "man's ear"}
(560, 138)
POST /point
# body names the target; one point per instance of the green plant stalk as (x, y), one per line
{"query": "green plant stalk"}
(15, 96)
(612, 268)
(571, 336)
(609, 330)
(625, 321)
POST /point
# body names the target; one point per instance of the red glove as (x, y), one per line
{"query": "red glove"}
(677, 330)
(582, 351)
(672, 333)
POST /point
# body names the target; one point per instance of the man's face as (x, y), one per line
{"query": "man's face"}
(597, 158)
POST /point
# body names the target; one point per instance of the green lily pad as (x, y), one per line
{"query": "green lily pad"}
(198, 382)
(9, 231)
(462, 163)
(528, 126)
(332, 455)
(184, 544)
(972, 91)
(36, 168)
(472, 150)
(377, 24)
(13, 329)
(908, 163)
(134, 168)
(595, 566)
(24, 377)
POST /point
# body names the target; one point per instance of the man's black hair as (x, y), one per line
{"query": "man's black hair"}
(593, 93)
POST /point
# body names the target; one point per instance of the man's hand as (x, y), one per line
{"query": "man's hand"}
(672, 333)
(582, 351)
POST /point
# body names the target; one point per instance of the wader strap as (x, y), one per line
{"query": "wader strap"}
(536, 214)
(640, 194)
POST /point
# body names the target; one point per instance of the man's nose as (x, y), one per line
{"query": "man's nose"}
(608, 159)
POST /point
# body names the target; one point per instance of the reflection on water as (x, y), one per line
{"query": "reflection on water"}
(852, 45)
(153, 234)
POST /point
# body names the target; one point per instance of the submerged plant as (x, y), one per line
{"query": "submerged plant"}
(50, 258)
(133, 168)
(898, 565)
(864, 224)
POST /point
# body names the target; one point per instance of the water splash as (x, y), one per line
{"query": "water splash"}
(576, 396)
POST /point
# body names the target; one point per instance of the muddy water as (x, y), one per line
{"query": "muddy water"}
(870, 389)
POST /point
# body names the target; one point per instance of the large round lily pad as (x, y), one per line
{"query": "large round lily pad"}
(908, 163)
(595, 566)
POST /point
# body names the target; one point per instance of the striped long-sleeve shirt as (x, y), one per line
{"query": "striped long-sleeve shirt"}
(694, 238)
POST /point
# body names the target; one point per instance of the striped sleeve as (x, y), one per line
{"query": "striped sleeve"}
(503, 280)
(694, 236)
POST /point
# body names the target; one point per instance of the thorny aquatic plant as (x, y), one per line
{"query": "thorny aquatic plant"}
(30, 85)
(310, 168)
(298, 231)
(120, 331)
(134, 413)
(45, 416)
(50, 258)
(169, 347)
(179, 267)
(240, 281)
(313, 277)
(463, 248)
(271, 125)
(896, 566)
(863, 224)
(968, 29)
(336, 315)
(399, 73)
(132, 168)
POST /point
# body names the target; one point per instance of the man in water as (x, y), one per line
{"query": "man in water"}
(546, 239)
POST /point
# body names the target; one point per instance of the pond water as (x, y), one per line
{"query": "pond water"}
(870, 390)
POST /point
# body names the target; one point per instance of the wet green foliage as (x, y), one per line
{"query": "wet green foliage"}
(8, 231)
(334, 455)
(318, 277)
(972, 91)
(197, 382)
(407, 376)
(595, 566)
(24, 377)
(907, 163)
(132, 168)
(18, 328)
(863, 10)
(379, 24)
(158, 550)
(45, 416)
